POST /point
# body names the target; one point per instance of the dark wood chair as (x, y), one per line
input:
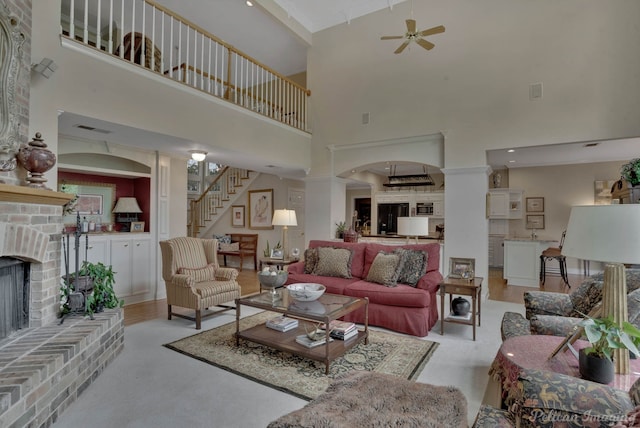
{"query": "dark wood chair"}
(554, 253)
(248, 247)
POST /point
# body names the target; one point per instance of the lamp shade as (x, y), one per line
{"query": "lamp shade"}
(284, 217)
(127, 205)
(413, 226)
(604, 233)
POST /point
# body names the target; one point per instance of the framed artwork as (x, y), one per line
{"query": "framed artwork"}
(461, 268)
(535, 205)
(94, 199)
(535, 221)
(237, 216)
(137, 226)
(260, 209)
(276, 253)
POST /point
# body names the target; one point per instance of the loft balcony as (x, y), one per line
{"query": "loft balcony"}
(160, 41)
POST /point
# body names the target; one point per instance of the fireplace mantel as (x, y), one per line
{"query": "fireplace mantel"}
(31, 195)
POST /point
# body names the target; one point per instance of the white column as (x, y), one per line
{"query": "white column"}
(325, 205)
(466, 225)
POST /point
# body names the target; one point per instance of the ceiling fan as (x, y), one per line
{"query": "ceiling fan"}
(415, 36)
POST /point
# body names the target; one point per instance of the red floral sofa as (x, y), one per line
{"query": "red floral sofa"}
(403, 308)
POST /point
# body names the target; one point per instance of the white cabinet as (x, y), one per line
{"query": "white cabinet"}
(522, 261)
(438, 208)
(93, 248)
(505, 203)
(131, 261)
(496, 252)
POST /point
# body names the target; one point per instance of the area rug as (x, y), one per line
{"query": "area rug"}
(386, 353)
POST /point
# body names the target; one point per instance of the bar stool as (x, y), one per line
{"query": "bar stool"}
(554, 253)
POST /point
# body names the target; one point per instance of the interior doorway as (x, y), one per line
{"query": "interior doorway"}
(363, 207)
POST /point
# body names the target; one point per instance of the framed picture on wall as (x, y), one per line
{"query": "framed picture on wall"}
(535, 221)
(237, 216)
(260, 209)
(95, 200)
(535, 205)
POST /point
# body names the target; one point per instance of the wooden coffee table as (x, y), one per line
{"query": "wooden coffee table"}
(327, 308)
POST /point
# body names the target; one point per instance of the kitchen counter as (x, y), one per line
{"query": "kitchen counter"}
(522, 260)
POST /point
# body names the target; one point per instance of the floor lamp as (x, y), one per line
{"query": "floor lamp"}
(609, 234)
(284, 218)
(413, 227)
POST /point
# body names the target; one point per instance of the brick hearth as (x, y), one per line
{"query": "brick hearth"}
(45, 367)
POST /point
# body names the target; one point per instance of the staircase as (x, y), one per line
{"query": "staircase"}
(217, 198)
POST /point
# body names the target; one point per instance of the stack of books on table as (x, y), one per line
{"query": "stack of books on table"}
(304, 340)
(282, 323)
(342, 330)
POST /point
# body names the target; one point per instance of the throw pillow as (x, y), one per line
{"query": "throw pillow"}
(414, 266)
(222, 239)
(230, 247)
(310, 260)
(384, 269)
(206, 273)
(334, 262)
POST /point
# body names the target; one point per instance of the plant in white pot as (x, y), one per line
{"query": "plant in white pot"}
(605, 335)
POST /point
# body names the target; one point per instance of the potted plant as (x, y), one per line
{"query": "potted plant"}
(100, 294)
(341, 227)
(605, 335)
(631, 172)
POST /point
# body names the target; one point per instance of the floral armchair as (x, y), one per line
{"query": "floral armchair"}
(548, 399)
(194, 279)
(557, 313)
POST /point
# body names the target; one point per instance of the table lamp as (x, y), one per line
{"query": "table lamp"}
(609, 234)
(413, 227)
(127, 209)
(284, 218)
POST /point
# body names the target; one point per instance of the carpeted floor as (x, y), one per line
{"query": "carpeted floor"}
(388, 353)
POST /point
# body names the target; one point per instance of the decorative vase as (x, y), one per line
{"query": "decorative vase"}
(460, 306)
(37, 159)
(594, 368)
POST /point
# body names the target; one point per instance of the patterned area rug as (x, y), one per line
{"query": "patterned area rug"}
(386, 353)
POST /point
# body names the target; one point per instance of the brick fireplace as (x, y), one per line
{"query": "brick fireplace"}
(44, 367)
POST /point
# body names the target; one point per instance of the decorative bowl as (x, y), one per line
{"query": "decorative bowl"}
(273, 281)
(306, 291)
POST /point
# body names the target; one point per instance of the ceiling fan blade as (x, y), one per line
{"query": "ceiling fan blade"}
(401, 48)
(391, 37)
(425, 44)
(411, 25)
(431, 31)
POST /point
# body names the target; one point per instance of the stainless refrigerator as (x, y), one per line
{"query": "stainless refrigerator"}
(388, 217)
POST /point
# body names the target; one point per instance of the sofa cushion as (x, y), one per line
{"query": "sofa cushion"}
(414, 266)
(334, 262)
(432, 251)
(385, 269)
(205, 273)
(357, 260)
(310, 260)
(402, 295)
(235, 246)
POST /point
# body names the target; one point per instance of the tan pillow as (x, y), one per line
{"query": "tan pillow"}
(207, 273)
(230, 247)
(334, 262)
(310, 260)
(384, 269)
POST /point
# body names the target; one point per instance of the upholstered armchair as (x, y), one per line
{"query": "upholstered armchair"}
(194, 279)
(549, 399)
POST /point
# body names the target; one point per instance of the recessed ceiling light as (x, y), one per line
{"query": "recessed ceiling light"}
(512, 161)
(353, 171)
(510, 151)
(249, 3)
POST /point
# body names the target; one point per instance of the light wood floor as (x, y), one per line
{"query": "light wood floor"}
(249, 284)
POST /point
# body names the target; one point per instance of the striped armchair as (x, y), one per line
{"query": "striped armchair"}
(193, 278)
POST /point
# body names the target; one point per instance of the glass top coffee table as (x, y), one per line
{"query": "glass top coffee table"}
(327, 308)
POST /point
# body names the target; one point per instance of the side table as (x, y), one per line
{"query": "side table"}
(279, 263)
(464, 287)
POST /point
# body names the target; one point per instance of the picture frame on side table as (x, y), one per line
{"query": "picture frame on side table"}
(535, 205)
(237, 216)
(461, 268)
(137, 227)
(260, 209)
(277, 253)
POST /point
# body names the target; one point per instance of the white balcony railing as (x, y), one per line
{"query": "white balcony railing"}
(150, 35)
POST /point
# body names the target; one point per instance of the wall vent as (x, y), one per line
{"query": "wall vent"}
(535, 91)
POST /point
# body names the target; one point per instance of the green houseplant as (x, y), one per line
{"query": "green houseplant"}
(103, 294)
(341, 227)
(605, 335)
(631, 172)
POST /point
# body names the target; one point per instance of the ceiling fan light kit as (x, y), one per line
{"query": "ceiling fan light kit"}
(415, 36)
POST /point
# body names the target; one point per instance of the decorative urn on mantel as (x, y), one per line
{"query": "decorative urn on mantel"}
(37, 159)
